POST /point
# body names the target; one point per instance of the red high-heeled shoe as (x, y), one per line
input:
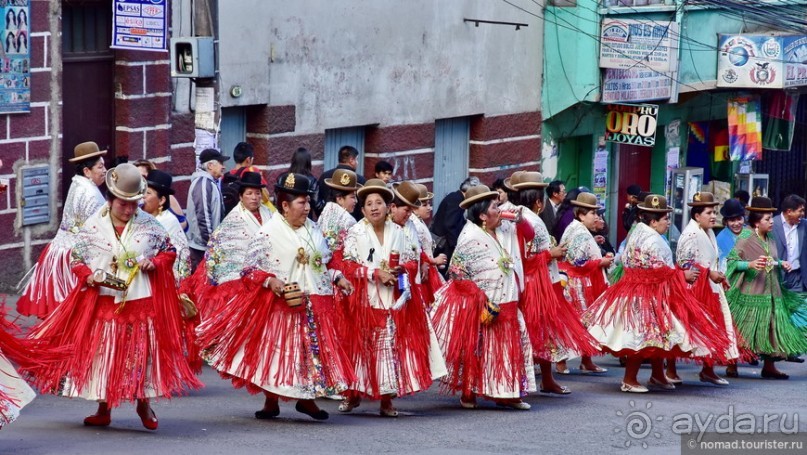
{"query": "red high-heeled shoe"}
(147, 415)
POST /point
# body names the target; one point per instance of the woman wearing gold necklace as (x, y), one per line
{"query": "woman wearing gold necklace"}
(554, 326)
(218, 277)
(278, 334)
(122, 322)
(479, 326)
(763, 309)
(391, 339)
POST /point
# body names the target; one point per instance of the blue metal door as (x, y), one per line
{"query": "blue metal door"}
(336, 138)
(233, 130)
(451, 138)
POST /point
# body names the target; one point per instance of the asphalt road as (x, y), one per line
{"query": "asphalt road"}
(595, 418)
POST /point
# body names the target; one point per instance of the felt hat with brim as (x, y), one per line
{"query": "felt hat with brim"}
(376, 186)
(587, 201)
(86, 150)
(125, 182)
(732, 209)
(654, 203)
(476, 194)
(703, 199)
(291, 183)
(251, 180)
(528, 180)
(425, 194)
(408, 193)
(511, 181)
(343, 180)
(160, 181)
(761, 204)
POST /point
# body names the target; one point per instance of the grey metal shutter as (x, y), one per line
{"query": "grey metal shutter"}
(336, 138)
(450, 155)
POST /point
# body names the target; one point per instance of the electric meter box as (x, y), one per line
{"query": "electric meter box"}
(193, 56)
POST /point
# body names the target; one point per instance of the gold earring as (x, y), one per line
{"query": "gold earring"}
(484, 225)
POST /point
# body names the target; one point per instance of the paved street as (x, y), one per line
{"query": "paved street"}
(219, 419)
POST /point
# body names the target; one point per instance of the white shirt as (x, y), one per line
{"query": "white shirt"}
(554, 206)
(792, 241)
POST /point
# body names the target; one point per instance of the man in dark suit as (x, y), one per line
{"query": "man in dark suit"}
(555, 193)
(348, 159)
(789, 228)
(449, 220)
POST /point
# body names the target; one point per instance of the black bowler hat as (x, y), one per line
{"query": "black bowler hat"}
(160, 181)
(292, 183)
(251, 180)
(732, 208)
(212, 154)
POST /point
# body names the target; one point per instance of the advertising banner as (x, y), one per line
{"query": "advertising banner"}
(15, 57)
(633, 124)
(629, 44)
(140, 25)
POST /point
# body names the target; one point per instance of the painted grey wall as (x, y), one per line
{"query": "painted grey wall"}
(358, 62)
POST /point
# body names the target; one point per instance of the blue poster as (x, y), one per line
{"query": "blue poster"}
(140, 25)
(15, 57)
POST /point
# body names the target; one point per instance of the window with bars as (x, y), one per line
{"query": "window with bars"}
(86, 27)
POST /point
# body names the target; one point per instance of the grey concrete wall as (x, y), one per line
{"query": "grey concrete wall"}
(346, 63)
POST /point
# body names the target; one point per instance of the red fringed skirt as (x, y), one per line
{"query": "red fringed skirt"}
(651, 313)
(258, 341)
(492, 360)
(554, 326)
(134, 354)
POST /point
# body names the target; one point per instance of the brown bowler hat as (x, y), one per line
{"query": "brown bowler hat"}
(529, 180)
(510, 182)
(587, 201)
(654, 203)
(86, 150)
(425, 194)
(476, 194)
(761, 204)
(376, 186)
(408, 193)
(125, 182)
(703, 199)
(343, 180)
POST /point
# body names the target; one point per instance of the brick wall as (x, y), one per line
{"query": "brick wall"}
(503, 144)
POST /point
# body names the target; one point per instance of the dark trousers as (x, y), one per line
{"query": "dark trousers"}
(197, 256)
(792, 281)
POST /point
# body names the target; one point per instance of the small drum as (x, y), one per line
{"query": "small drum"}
(293, 295)
(489, 313)
(107, 280)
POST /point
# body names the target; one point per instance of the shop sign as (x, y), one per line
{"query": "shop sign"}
(635, 84)
(637, 44)
(633, 124)
(762, 61)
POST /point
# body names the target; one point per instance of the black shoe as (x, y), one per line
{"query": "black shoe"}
(778, 375)
(794, 359)
(754, 362)
(265, 415)
(319, 414)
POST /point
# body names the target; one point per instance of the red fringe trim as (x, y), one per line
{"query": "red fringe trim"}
(80, 323)
(474, 351)
(591, 270)
(551, 322)
(361, 324)
(659, 294)
(44, 282)
(265, 326)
